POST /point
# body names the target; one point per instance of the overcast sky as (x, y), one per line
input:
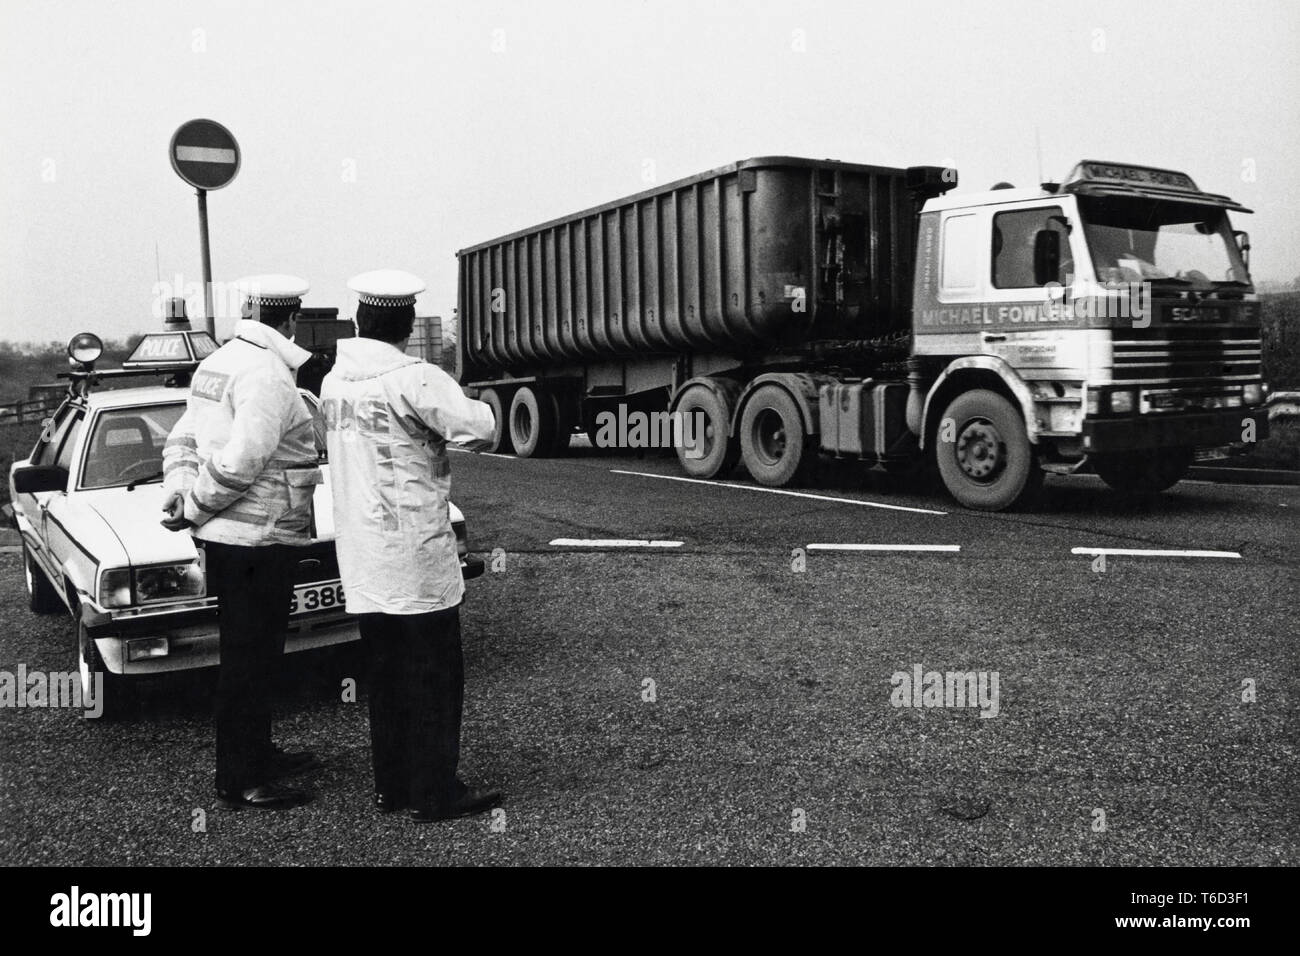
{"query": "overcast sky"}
(390, 134)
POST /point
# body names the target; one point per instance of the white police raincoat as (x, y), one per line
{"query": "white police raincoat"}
(388, 418)
(243, 454)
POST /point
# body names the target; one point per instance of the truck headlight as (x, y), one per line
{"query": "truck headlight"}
(169, 582)
(115, 587)
(1252, 394)
(1092, 403)
(1121, 402)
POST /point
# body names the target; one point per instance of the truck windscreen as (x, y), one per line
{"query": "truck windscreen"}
(1135, 240)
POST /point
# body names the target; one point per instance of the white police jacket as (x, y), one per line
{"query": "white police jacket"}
(388, 418)
(243, 453)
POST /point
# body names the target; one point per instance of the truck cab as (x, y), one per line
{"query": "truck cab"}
(1113, 314)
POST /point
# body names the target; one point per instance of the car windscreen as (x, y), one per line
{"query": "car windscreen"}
(126, 445)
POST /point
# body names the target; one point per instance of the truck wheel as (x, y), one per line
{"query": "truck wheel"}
(532, 423)
(112, 703)
(501, 434)
(720, 449)
(41, 596)
(564, 421)
(988, 462)
(1144, 473)
(772, 440)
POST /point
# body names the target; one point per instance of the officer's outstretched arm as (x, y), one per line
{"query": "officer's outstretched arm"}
(261, 409)
(438, 402)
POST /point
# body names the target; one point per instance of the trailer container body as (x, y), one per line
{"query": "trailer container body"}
(757, 255)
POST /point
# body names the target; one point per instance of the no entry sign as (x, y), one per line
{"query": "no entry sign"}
(204, 154)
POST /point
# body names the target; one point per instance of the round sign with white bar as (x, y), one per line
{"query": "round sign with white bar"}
(204, 154)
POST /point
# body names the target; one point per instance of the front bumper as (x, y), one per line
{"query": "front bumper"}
(193, 638)
(1196, 430)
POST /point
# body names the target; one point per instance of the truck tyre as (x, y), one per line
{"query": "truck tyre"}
(1144, 473)
(500, 443)
(721, 450)
(532, 423)
(987, 462)
(564, 421)
(772, 440)
(41, 596)
(114, 699)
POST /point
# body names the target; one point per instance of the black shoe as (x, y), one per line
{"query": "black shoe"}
(466, 803)
(265, 797)
(388, 802)
(286, 763)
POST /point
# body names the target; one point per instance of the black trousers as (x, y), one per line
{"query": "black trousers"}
(255, 586)
(416, 679)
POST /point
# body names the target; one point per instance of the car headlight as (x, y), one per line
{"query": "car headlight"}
(1121, 402)
(115, 587)
(1252, 394)
(169, 582)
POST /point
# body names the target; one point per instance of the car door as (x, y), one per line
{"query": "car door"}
(34, 506)
(54, 521)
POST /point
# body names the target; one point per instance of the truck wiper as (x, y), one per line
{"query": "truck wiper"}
(144, 480)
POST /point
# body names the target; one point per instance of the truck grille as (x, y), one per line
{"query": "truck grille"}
(1166, 355)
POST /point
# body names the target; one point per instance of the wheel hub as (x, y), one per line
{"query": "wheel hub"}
(770, 437)
(981, 453)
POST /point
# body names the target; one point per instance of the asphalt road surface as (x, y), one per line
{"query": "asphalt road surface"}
(727, 699)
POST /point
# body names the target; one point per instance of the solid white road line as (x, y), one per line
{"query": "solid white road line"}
(613, 543)
(1143, 553)
(884, 547)
(485, 454)
(779, 491)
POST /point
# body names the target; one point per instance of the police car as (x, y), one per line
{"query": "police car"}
(87, 503)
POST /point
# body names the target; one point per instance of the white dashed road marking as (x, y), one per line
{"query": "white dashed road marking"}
(1143, 553)
(780, 491)
(884, 547)
(613, 543)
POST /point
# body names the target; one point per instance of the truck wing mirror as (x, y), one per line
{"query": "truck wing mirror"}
(34, 479)
(1047, 256)
(1243, 243)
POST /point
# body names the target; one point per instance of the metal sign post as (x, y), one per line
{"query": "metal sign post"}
(205, 154)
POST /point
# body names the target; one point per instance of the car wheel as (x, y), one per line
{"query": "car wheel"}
(41, 596)
(715, 451)
(1144, 473)
(532, 423)
(772, 440)
(501, 434)
(988, 462)
(111, 701)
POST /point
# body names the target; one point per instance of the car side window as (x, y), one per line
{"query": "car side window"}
(49, 443)
(69, 443)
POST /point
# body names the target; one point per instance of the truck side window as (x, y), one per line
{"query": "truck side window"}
(1013, 246)
(960, 253)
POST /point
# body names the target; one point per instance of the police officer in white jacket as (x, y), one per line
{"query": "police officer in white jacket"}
(240, 467)
(388, 419)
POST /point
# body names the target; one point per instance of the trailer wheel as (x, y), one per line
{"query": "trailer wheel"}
(1144, 473)
(41, 596)
(714, 451)
(532, 423)
(564, 422)
(986, 462)
(772, 440)
(501, 433)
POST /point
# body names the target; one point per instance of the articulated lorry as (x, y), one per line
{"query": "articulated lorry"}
(801, 308)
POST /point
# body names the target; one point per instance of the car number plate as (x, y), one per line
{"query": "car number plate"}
(316, 597)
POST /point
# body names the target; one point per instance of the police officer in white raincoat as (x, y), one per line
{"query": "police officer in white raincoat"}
(241, 466)
(388, 419)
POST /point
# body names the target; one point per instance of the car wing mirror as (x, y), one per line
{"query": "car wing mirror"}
(34, 479)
